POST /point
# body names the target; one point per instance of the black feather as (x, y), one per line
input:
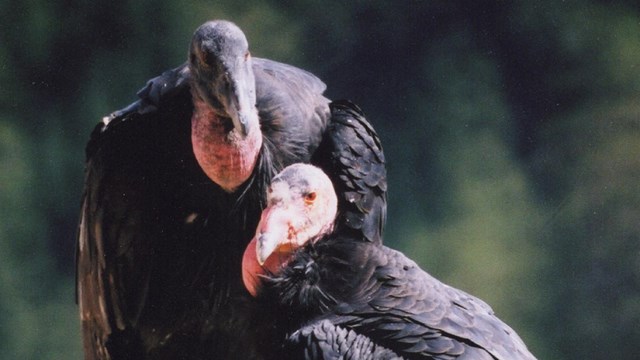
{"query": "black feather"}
(351, 154)
(348, 296)
(159, 244)
(380, 295)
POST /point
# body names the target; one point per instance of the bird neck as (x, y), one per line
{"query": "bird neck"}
(315, 278)
(225, 157)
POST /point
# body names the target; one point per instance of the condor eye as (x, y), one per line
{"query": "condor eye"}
(309, 198)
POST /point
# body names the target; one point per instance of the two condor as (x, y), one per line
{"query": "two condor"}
(335, 292)
(175, 186)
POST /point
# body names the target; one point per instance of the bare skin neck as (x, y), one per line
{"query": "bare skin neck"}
(226, 158)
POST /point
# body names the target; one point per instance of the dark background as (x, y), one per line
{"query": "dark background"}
(511, 131)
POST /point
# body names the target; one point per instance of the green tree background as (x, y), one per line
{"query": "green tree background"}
(512, 133)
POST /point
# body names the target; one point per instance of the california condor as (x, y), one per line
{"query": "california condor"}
(174, 188)
(336, 295)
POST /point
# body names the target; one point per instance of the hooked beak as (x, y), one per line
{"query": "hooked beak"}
(240, 108)
(222, 72)
(273, 234)
(228, 85)
(271, 238)
(265, 247)
(239, 89)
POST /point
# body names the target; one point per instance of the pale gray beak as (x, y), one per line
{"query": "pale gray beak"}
(266, 245)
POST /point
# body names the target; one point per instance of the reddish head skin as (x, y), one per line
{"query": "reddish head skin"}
(226, 157)
(252, 270)
(302, 205)
(273, 221)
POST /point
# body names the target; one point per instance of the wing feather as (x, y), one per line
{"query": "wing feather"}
(351, 154)
(158, 242)
(324, 340)
(412, 313)
(293, 113)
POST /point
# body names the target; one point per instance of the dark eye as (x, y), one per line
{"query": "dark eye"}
(246, 56)
(309, 198)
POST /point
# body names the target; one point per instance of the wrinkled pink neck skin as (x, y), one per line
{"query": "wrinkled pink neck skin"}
(226, 158)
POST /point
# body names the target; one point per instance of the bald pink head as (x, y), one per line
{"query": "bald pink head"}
(302, 206)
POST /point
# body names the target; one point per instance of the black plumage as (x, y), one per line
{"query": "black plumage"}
(346, 296)
(378, 293)
(351, 155)
(159, 243)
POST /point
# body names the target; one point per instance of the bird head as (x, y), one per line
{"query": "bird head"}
(301, 206)
(222, 73)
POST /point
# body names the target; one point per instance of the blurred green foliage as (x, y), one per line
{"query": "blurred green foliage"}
(512, 133)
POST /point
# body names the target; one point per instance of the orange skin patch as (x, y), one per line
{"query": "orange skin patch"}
(252, 271)
(226, 158)
(271, 221)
